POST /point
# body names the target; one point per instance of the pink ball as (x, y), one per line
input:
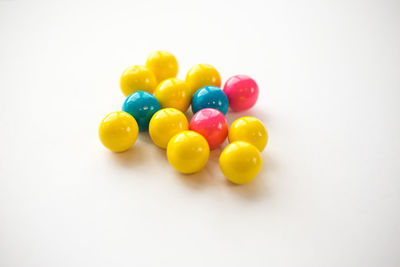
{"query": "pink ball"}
(211, 124)
(242, 92)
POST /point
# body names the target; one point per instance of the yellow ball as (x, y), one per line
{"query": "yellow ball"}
(249, 129)
(118, 131)
(163, 64)
(201, 75)
(166, 123)
(137, 78)
(173, 93)
(188, 152)
(240, 162)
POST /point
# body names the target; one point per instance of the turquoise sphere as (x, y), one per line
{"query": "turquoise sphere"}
(210, 97)
(142, 106)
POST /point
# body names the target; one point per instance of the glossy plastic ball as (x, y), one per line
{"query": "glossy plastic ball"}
(137, 78)
(163, 64)
(240, 162)
(242, 92)
(188, 152)
(210, 97)
(211, 124)
(142, 106)
(249, 129)
(201, 75)
(165, 124)
(118, 131)
(173, 93)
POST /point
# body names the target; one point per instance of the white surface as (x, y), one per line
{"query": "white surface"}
(328, 194)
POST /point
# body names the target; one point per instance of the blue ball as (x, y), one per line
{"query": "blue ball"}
(142, 106)
(210, 97)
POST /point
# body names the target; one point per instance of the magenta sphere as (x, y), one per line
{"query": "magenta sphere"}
(211, 124)
(242, 92)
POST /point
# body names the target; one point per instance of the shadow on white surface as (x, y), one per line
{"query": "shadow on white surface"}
(130, 158)
(137, 154)
(145, 137)
(211, 176)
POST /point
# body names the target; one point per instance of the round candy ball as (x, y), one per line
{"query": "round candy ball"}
(242, 92)
(249, 129)
(165, 124)
(137, 78)
(211, 124)
(118, 131)
(163, 64)
(240, 162)
(188, 152)
(173, 93)
(201, 75)
(210, 97)
(142, 106)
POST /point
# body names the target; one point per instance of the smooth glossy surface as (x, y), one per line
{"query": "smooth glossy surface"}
(188, 152)
(210, 97)
(173, 93)
(163, 64)
(165, 124)
(240, 162)
(118, 131)
(249, 129)
(242, 92)
(201, 75)
(211, 124)
(142, 106)
(137, 78)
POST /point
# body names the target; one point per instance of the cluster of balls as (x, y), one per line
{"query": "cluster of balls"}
(156, 101)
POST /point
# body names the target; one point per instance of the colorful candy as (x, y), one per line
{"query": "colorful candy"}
(242, 92)
(173, 93)
(240, 162)
(142, 106)
(188, 152)
(118, 131)
(188, 144)
(166, 123)
(201, 75)
(137, 78)
(163, 64)
(249, 129)
(210, 97)
(211, 124)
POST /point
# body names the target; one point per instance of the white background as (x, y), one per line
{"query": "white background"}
(329, 191)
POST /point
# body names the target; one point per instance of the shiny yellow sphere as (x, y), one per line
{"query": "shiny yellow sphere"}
(240, 162)
(249, 129)
(166, 123)
(163, 64)
(173, 93)
(188, 152)
(118, 131)
(201, 75)
(137, 78)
